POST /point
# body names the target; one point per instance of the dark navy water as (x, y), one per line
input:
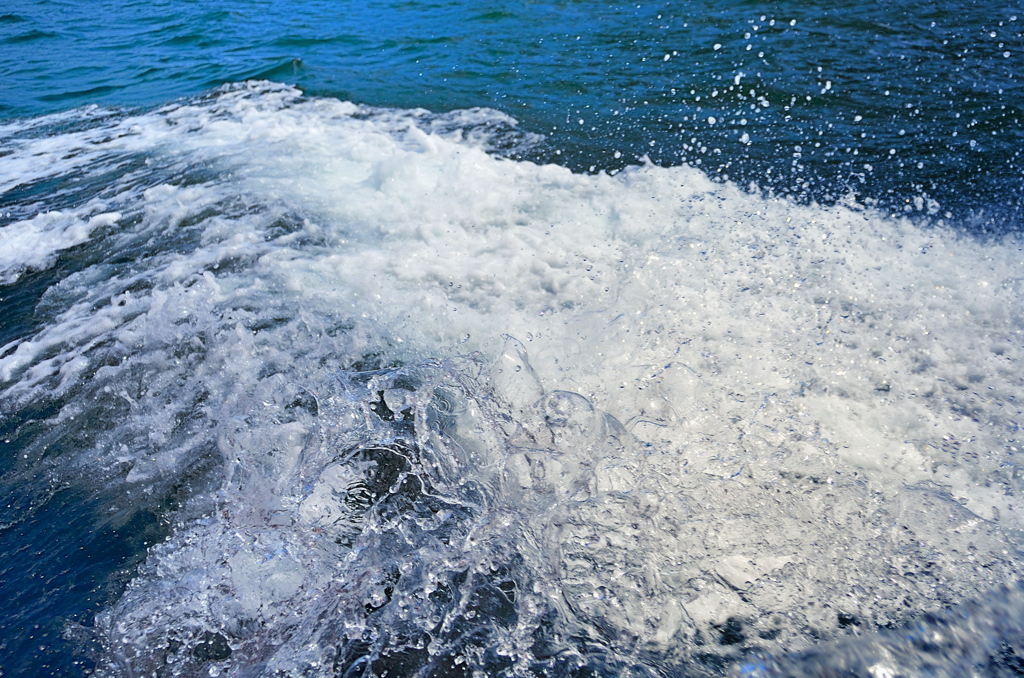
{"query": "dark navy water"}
(193, 270)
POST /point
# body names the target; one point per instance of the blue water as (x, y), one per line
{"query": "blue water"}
(913, 112)
(939, 85)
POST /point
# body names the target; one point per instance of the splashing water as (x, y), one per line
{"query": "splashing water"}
(729, 426)
(434, 524)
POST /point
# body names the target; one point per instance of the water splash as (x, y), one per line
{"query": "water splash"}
(437, 519)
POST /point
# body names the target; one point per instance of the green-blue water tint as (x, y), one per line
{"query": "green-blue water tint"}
(900, 104)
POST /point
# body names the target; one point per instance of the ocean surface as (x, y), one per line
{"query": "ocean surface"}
(511, 339)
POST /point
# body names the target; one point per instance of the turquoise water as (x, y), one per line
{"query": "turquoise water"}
(551, 338)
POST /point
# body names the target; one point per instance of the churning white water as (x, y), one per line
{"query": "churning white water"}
(460, 414)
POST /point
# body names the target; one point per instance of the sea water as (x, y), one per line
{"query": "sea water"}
(447, 340)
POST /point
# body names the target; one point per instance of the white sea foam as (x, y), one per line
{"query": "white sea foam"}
(32, 244)
(724, 419)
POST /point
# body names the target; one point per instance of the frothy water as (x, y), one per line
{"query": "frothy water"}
(403, 405)
(892, 102)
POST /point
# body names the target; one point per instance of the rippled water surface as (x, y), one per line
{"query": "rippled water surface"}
(882, 101)
(544, 339)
